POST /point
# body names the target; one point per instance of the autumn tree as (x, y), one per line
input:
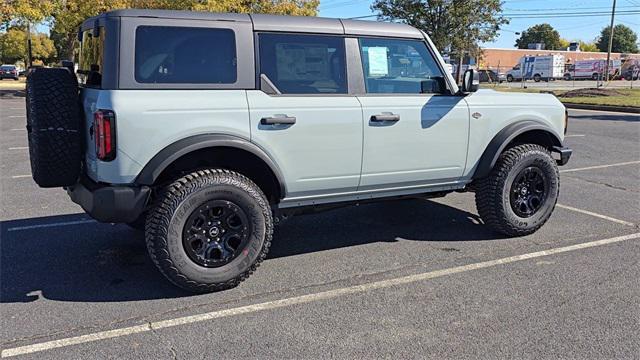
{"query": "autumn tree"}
(13, 46)
(68, 15)
(540, 33)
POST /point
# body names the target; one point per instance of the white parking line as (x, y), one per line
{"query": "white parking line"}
(605, 217)
(600, 111)
(16, 116)
(600, 166)
(19, 148)
(39, 226)
(296, 300)
(26, 130)
(20, 176)
(575, 135)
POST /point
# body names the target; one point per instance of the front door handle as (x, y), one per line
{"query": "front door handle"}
(278, 119)
(385, 117)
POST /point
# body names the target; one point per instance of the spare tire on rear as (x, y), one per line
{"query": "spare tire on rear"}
(53, 125)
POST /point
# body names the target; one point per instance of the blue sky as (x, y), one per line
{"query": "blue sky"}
(584, 28)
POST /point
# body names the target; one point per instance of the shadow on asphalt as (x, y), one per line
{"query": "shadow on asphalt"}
(612, 117)
(107, 263)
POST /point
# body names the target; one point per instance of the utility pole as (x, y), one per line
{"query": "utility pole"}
(606, 66)
(29, 44)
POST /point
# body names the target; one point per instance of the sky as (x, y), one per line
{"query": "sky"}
(585, 28)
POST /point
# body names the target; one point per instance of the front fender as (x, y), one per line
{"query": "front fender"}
(504, 137)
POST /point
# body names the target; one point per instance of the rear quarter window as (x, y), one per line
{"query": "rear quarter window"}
(91, 60)
(185, 55)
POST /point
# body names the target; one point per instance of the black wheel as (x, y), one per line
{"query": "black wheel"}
(521, 191)
(54, 127)
(209, 230)
(509, 78)
(537, 77)
(567, 77)
(594, 76)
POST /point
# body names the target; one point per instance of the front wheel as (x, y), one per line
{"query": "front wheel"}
(509, 78)
(521, 191)
(209, 230)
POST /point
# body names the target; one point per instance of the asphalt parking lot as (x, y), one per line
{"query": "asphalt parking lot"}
(410, 279)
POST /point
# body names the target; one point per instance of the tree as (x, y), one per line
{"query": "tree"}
(588, 46)
(13, 46)
(540, 33)
(68, 15)
(624, 39)
(456, 24)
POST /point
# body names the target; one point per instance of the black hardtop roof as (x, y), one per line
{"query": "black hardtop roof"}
(265, 22)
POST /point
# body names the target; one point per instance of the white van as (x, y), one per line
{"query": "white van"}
(548, 67)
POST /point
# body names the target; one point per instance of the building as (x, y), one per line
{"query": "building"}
(504, 59)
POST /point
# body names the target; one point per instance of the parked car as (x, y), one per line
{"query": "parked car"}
(631, 73)
(490, 76)
(247, 120)
(8, 72)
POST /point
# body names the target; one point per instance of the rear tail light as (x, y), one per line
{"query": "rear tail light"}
(104, 128)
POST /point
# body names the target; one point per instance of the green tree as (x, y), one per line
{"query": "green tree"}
(540, 33)
(13, 46)
(458, 25)
(624, 39)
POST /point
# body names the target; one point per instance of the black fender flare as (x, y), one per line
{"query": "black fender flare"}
(503, 138)
(152, 170)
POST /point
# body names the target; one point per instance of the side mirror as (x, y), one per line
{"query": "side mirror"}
(436, 85)
(470, 81)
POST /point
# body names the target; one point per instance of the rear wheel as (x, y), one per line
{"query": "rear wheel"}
(521, 191)
(594, 76)
(209, 230)
(537, 77)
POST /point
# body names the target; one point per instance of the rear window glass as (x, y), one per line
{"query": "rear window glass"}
(91, 58)
(185, 55)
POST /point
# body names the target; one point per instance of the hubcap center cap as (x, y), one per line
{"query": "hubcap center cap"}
(214, 231)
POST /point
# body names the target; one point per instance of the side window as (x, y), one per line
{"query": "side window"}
(185, 55)
(91, 58)
(304, 64)
(397, 66)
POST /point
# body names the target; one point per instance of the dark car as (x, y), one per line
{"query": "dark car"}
(8, 72)
(489, 76)
(632, 73)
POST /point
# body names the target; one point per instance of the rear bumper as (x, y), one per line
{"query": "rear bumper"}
(106, 203)
(565, 154)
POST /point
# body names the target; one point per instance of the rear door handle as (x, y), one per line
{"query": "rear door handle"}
(385, 117)
(278, 119)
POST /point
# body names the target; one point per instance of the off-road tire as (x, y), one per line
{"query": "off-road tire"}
(493, 192)
(53, 126)
(168, 217)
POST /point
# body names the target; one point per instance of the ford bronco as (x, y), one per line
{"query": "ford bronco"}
(207, 129)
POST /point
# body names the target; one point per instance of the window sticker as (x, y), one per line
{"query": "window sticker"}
(378, 65)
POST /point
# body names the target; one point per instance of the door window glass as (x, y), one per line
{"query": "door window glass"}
(398, 66)
(304, 64)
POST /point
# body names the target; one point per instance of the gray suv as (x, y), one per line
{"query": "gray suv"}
(207, 129)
